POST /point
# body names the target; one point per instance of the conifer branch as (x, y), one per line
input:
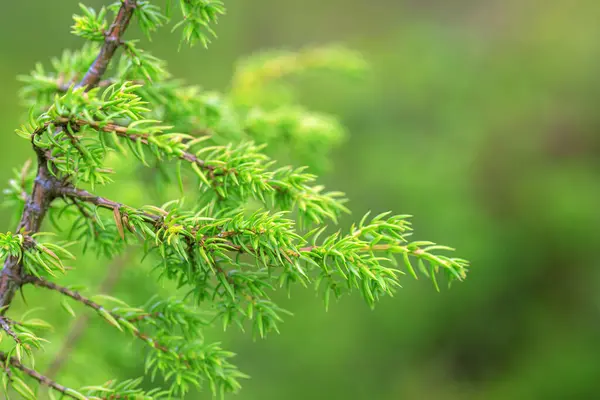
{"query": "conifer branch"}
(116, 320)
(126, 133)
(290, 187)
(42, 379)
(64, 87)
(317, 253)
(227, 257)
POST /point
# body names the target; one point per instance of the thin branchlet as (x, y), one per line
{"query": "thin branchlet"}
(12, 362)
(5, 325)
(115, 319)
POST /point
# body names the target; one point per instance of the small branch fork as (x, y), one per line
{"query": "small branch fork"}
(45, 186)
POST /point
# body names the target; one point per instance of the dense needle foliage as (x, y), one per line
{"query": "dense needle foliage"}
(247, 226)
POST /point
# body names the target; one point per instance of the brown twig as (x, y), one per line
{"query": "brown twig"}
(80, 325)
(75, 194)
(40, 282)
(44, 380)
(5, 325)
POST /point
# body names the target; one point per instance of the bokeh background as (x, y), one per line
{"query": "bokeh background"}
(479, 117)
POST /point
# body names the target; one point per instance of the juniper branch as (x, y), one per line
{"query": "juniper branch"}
(33, 214)
(223, 253)
(64, 87)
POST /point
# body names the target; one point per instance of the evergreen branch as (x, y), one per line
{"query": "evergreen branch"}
(126, 390)
(125, 132)
(112, 40)
(76, 194)
(143, 317)
(228, 256)
(358, 247)
(40, 282)
(44, 380)
(63, 87)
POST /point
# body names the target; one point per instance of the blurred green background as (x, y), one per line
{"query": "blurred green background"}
(479, 117)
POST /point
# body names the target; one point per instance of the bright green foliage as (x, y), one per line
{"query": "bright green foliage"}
(261, 79)
(198, 15)
(11, 245)
(247, 227)
(41, 85)
(90, 25)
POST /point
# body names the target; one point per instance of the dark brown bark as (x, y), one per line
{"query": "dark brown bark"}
(44, 191)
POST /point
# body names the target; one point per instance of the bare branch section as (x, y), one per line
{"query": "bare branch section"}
(45, 185)
(102, 202)
(63, 290)
(112, 41)
(5, 325)
(82, 321)
(44, 380)
(113, 318)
